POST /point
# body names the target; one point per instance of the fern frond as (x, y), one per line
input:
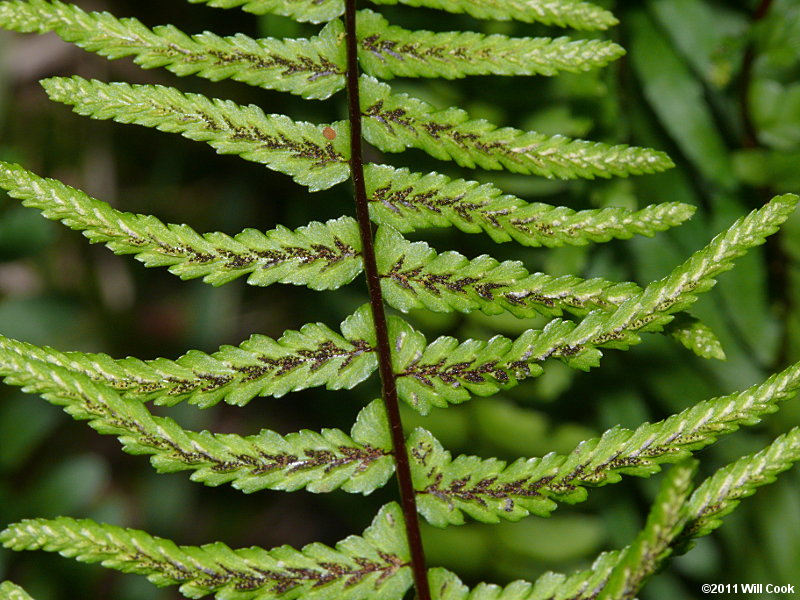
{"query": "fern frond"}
(721, 493)
(9, 591)
(651, 310)
(654, 543)
(319, 462)
(387, 51)
(297, 148)
(321, 256)
(394, 122)
(369, 567)
(312, 68)
(490, 489)
(413, 275)
(716, 497)
(584, 585)
(446, 585)
(447, 372)
(696, 336)
(408, 201)
(561, 13)
(312, 11)
(313, 356)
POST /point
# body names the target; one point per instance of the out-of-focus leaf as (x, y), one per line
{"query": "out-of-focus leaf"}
(776, 111)
(518, 431)
(42, 320)
(778, 38)
(23, 424)
(714, 42)
(678, 100)
(23, 232)
(68, 487)
(562, 538)
(761, 168)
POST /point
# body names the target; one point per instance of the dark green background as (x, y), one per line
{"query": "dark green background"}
(706, 81)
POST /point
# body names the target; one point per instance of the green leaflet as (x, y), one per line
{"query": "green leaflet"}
(321, 256)
(489, 490)
(373, 566)
(447, 372)
(313, 356)
(395, 122)
(319, 462)
(9, 591)
(594, 582)
(387, 51)
(696, 336)
(718, 495)
(297, 148)
(550, 586)
(413, 275)
(653, 545)
(409, 201)
(313, 11)
(562, 13)
(311, 68)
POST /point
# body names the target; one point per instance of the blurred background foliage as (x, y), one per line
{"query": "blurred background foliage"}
(714, 83)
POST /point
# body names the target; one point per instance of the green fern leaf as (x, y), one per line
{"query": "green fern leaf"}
(696, 336)
(654, 543)
(415, 276)
(313, 356)
(718, 495)
(319, 462)
(583, 585)
(312, 11)
(562, 13)
(369, 567)
(409, 201)
(711, 501)
(447, 372)
(299, 149)
(319, 255)
(489, 490)
(651, 310)
(311, 68)
(387, 51)
(395, 122)
(9, 591)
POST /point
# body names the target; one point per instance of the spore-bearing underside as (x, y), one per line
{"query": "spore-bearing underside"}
(583, 317)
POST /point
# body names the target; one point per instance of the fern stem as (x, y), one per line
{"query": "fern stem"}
(389, 388)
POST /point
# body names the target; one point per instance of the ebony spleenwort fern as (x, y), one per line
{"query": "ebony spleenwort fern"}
(111, 394)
